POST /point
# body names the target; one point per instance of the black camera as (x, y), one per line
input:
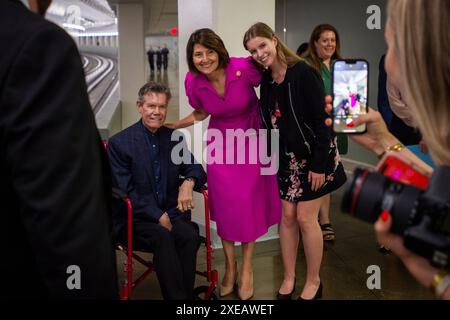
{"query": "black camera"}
(420, 214)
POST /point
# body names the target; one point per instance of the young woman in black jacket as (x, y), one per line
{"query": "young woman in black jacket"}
(292, 101)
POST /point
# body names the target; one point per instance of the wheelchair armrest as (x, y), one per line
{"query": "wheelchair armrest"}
(118, 194)
(201, 189)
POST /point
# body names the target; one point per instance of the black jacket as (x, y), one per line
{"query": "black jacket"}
(54, 184)
(302, 125)
(129, 154)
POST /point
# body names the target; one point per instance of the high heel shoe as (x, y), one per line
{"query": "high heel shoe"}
(287, 296)
(246, 294)
(226, 290)
(317, 296)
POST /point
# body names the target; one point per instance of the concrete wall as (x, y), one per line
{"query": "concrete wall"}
(233, 18)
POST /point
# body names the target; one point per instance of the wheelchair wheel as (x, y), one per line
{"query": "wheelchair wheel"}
(200, 293)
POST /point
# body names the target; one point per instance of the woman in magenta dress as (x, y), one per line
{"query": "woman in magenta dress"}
(244, 203)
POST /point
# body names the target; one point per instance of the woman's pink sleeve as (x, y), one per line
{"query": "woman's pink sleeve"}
(189, 85)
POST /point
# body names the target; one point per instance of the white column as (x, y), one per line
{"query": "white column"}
(131, 58)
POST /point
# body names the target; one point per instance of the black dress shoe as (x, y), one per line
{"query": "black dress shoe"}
(317, 296)
(287, 296)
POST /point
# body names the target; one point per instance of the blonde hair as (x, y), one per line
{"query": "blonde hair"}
(284, 54)
(420, 29)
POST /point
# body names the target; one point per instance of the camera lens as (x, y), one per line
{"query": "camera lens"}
(421, 217)
(368, 193)
(363, 195)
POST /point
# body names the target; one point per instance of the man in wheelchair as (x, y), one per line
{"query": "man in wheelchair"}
(143, 168)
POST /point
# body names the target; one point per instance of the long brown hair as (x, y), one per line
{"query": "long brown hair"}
(315, 36)
(421, 47)
(284, 54)
(209, 39)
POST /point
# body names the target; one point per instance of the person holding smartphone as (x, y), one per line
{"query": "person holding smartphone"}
(413, 38)
(325, 47)
(292, 96)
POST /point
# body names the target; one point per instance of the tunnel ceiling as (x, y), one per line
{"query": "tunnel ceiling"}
(83, 15)
(94, 16)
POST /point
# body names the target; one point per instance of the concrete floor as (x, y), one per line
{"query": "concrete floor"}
(343, 273)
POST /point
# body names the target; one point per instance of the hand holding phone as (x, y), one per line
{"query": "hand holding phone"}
(350, 87)
(402, 169)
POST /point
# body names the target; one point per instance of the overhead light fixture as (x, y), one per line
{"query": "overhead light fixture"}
(56, 9)
(94, 34)
(74, 26)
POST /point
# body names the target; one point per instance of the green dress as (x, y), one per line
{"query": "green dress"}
(342, 139)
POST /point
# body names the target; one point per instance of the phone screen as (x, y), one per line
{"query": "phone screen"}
(350, 94)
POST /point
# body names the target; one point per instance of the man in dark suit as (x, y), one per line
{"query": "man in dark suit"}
(158, 59)
(55, 228)
(165, 56)
(159, 176)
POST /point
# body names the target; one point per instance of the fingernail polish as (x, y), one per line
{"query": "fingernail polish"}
(350, 124)
(385, 215)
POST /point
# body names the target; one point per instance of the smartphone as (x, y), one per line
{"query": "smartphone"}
(350, 87)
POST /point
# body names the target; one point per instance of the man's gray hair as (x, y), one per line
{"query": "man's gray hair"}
(153, 87)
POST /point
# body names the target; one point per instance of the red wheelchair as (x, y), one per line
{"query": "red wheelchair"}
(205, 292)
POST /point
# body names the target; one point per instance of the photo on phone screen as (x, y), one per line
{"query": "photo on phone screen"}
(350, 94)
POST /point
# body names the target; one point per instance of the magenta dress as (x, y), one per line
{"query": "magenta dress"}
(244, 203)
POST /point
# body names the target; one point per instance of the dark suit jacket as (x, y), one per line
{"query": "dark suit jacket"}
(129, 154)
(54, 189)
(406, 134)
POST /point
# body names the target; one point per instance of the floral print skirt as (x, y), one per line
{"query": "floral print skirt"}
(293, 175)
